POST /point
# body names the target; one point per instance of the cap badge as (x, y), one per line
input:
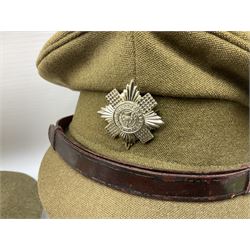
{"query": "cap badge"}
(130, 115)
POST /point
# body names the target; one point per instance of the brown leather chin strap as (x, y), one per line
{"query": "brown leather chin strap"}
(151, 183)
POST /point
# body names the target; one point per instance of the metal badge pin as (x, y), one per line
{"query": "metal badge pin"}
(130, 115)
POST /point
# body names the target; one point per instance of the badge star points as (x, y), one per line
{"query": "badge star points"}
(130, 115)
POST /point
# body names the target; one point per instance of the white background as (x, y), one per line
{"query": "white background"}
(28, 103)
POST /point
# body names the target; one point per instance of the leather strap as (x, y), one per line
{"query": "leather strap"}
(152, 183)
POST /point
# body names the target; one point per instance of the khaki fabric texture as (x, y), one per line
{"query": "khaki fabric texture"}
(198, 135)
(18, 196)
(200, 81)
(175, 64)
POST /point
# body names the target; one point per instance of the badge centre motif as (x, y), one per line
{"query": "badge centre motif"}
(128, 117)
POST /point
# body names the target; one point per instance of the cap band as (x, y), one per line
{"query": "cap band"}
(151, 183)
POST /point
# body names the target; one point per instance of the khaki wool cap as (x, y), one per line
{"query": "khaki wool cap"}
(200, 81)
(18, 196)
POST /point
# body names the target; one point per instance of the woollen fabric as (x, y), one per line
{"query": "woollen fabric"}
(18, 196)
(200, 81)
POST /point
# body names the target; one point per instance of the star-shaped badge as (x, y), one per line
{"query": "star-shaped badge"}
(130, 115)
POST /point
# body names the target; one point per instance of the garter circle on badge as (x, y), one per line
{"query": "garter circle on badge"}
(130, 115)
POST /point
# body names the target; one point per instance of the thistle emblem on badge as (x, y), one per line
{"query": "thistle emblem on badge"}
(130, 115)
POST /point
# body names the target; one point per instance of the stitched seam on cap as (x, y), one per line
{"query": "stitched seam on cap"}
(49, 44)
(216, 34)
(134, 54)
(60, 44)
(50, 47)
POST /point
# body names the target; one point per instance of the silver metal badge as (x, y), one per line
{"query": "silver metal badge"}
(130, 115)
